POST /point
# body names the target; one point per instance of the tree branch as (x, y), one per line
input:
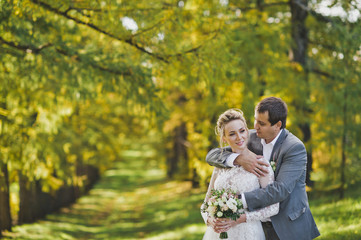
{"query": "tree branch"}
(94, 65)
(165, 7)
(143, 30)
(322, 73)
(10, 50)
(195, 49)
(323, 45)
(37, 50)
(96, 28)
(130, 40)
(28, 49)
(265, 5)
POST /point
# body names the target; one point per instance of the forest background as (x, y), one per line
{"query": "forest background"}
(82, 81)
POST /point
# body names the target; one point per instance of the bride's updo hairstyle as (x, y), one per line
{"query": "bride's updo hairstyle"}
(226, 117)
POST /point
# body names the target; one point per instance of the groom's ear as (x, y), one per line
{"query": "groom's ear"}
(279, 124)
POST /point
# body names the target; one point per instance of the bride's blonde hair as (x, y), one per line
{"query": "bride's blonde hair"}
(226, 117)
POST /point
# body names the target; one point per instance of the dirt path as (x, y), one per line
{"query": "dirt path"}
(132, 201)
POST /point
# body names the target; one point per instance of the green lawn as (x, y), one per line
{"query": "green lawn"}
(135, 201)
(338, 219)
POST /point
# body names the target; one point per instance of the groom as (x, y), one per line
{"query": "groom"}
(275, 143)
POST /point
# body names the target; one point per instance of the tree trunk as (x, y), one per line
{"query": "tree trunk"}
(5, 217)
(178, 158)
(44, 202)
(343, 149)
(171, 159)
(91, 175)
(195, 179)
(261, 80)
(299, 33)
(306, 130)
(27, 200)
(343, 168)
(180, 148)
(177, 155)
(64, 197)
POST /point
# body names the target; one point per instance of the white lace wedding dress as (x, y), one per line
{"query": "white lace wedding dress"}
(240, 180)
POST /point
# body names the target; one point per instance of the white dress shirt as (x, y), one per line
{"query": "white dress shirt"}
(268, 147)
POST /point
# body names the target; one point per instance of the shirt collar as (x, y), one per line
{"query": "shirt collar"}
(273, 141)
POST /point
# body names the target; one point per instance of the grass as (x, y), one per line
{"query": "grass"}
(134, 200)
(338, 219)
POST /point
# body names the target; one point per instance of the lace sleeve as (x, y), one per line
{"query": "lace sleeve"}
(267, 179)
(268, 211)
(210, 187)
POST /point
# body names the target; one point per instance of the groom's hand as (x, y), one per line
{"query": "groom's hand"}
(252, 163)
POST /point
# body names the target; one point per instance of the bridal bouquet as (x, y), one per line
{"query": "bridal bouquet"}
(223, 203)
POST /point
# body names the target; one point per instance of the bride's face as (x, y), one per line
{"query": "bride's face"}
(236, 135)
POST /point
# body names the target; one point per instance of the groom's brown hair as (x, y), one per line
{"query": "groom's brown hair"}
(276, 108)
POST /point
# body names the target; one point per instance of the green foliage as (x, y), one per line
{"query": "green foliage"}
(67, 98)
(337, 115)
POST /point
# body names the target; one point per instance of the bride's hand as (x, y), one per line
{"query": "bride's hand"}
(211, 222)
(224, 224)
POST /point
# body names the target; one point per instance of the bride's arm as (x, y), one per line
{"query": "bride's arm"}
(210, 187)
(268, 211)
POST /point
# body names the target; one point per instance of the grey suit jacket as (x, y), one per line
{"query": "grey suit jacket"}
(294, 220)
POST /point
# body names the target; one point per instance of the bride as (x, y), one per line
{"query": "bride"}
(232, 129)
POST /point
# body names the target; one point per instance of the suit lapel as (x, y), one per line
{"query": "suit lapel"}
(276, 150)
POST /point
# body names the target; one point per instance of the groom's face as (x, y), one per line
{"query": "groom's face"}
(264, 128)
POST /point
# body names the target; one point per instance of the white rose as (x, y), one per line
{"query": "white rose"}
(232, 204)
(219, 214)
(231, 201)
(224, 208)
(211, 210)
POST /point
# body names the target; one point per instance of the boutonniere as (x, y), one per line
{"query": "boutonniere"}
(273, 165)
